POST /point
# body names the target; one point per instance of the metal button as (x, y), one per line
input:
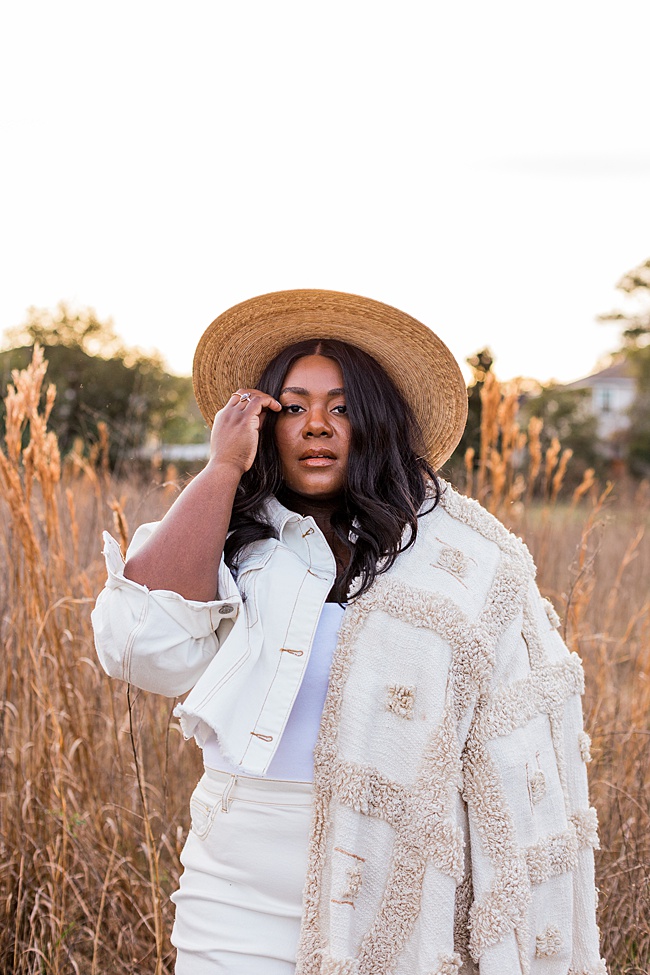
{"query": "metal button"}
(226, 609)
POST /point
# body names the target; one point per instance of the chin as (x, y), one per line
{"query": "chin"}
(317, 492)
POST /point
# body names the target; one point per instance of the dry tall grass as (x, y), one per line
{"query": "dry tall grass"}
(95, 782)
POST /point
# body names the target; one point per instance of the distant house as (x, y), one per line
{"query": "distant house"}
(173, 453)
(612, 393)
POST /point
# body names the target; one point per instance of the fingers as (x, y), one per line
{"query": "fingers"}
(253, 400)
(235, 431)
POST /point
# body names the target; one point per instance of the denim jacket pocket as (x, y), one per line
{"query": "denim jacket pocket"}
(247, 574)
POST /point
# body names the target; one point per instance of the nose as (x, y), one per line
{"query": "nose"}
(317, 423)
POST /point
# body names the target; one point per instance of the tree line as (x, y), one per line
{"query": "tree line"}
(100, 380)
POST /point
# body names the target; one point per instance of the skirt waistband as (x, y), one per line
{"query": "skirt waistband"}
(249, 788)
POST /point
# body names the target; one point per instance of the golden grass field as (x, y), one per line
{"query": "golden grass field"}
(95, 778)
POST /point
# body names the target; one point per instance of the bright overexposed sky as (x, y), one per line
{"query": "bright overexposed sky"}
(483, 166)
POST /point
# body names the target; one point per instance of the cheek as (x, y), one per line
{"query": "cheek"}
(345, 437)
(283, 444)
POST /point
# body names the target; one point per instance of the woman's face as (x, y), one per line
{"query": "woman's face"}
(313, 431)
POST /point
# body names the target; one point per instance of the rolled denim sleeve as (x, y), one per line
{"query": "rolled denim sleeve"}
(156, 639)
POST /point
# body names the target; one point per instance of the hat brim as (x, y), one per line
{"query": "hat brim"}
(236, 348)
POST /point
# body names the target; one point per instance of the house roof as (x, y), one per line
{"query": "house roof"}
(619, 373)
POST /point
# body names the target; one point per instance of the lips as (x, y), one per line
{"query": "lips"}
(322, 454)
(317, 457)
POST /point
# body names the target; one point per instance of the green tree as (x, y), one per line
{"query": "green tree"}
(635, 284)
(481, 363)
(636, 318)
(99, 379)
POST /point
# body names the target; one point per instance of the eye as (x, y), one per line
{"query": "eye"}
(341, 410)
(293, 408)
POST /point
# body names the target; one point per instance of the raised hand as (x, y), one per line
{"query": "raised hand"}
(236, 428)
(183, 554)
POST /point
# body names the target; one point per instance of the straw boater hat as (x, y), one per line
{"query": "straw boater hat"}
(236, 348)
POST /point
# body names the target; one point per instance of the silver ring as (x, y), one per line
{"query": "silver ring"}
(244, 397)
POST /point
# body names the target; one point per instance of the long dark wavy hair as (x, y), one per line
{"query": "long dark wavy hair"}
(385, 486)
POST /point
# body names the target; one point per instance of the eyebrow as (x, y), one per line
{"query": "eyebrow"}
(301, 391)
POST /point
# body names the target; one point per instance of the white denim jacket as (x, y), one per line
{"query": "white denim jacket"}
(244, 677)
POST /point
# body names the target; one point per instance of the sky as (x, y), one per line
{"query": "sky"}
(482, 166)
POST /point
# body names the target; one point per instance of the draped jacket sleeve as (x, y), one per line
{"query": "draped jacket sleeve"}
(531, 829)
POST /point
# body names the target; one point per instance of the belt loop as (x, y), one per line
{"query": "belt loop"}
(226, 799)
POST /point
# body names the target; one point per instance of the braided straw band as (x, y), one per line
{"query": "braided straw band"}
(239, 344)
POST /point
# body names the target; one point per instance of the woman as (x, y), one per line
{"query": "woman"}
(413, 801)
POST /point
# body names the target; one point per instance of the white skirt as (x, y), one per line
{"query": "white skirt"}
(239, 904)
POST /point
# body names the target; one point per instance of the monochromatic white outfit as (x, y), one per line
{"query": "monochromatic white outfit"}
(451, 829)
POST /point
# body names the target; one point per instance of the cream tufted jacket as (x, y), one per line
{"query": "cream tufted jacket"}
(452, 831)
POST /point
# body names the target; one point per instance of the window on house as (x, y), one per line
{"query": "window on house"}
(605, 400)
